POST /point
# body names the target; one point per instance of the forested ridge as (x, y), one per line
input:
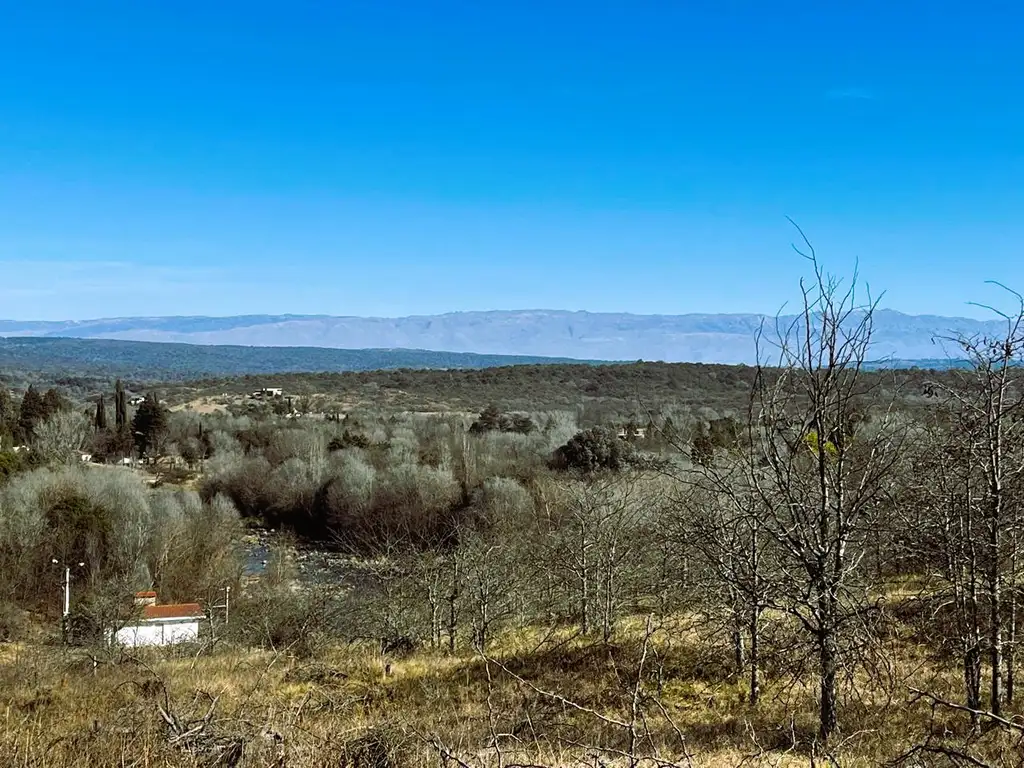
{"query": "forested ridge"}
(103, 359)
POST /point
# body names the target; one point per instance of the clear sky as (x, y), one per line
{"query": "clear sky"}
(392, 158)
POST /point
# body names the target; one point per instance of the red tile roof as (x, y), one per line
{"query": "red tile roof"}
(145, 594)
(179, 611)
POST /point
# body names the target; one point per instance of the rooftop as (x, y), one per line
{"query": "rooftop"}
(179, 611)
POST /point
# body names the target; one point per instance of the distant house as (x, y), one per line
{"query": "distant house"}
(136, 400)
(160, 624)
(267, 393)
(637, 433)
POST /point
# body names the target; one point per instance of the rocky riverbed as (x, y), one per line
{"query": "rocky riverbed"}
(313, 566)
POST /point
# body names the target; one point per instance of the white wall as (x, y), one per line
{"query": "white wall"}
(156, 632)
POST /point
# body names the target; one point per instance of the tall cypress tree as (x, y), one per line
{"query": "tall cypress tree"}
(149, 425)
(53, 402)
(31, 414)
(120, 406)
(101, 415)
(8, 414)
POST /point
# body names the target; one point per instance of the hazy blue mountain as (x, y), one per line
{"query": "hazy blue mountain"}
(546, 333)
(71, 357)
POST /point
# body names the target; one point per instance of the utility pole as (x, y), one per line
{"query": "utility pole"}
(65, 598)
(226, 605)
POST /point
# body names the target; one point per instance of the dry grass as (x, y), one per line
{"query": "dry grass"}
(353, 707)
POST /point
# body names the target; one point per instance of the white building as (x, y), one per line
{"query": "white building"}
(267, 393)
(161, 624)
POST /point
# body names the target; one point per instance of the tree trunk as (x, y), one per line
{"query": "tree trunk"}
(828, 662)
(972, 656)
(736, 621)
(755, 655)
(609, 606)
(453, 605)
(434, 604)
(1011, 644)
(996, 621)
(584, 583)
(828, 654)
(972, 682)
(484, 618)
(738, 651)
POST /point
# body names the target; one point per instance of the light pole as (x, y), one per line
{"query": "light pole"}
(65, 596)
(226, 605)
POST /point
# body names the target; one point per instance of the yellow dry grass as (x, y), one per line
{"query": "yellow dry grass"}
(351, 706)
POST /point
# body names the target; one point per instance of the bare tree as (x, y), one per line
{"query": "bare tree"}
(988, 402)
(939, 509)
(600, 546)
(821, 473)
(59, 439)
(718, 524)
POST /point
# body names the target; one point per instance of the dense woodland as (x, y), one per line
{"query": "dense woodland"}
(668, 565)
(84, 362)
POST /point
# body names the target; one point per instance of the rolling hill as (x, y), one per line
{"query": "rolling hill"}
(150, 361)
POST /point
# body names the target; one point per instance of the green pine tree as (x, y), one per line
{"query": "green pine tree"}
(120, 406)
(101, 415)
(490, 419)
(149, 426)
(8, 415)
(53, 403)
(31, 414)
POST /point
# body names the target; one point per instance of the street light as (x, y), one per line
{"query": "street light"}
(66, 594)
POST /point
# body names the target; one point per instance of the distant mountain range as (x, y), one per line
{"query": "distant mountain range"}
(533, 333)
(62, 358)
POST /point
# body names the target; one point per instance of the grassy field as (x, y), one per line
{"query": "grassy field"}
(538, 700)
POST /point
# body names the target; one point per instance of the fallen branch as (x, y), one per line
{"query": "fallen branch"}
(955, 756)
(936, 701)
(557, 697)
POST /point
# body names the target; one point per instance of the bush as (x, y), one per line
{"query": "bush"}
(12, 622)
(127, 535)
(349, 439)
(594, 449)
(503, 503)
(491, 419)
(276, 616)
(10, 464)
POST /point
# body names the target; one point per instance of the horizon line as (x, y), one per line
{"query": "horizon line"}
(538, 310)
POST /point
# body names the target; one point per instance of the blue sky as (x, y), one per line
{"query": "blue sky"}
(391, 158)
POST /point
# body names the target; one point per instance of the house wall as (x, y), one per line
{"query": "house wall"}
(158, 633)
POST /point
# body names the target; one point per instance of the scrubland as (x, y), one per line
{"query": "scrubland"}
(824, 571)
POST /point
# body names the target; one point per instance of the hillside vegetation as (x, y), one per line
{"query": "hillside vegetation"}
(37, 359)
(645, 564)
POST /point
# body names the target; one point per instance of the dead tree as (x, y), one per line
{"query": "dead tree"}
(602, 546)
(988, 400)
(940, 511)
(820, 473)
(718, 525)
